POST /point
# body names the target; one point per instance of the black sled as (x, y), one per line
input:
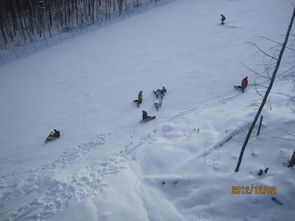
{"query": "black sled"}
(137, 102)
(148, 119)
(239, 88)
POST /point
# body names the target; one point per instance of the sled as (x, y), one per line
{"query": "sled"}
(50, 138)
(137, 103)
(239, 88)
(147, 119)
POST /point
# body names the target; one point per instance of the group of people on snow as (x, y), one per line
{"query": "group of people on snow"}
(159, 93)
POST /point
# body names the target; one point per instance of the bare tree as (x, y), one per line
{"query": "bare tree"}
(28, 20)
(267, 91)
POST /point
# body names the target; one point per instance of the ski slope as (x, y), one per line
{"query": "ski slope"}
(180, 166)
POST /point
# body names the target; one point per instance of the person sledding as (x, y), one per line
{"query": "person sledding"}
(146, 117)
(158, 105)
(160, 92)
(244, 84)
(138, 101)
(53, 135)
(222, 19)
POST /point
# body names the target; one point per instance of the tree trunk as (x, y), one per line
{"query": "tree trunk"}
(292, 161)
(260, 123)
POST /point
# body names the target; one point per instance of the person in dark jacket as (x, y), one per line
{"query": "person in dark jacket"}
(53, 135)
(145, 115)
(56, 133)
(222, 19)
(160, 92)
(163, 91)
(139, 99)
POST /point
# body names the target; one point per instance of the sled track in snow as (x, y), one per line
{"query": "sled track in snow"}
(200, 105)
(43, 192)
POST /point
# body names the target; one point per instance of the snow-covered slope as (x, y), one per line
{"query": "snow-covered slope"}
(108, 166)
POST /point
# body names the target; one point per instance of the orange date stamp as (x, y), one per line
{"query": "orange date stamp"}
(253, 190)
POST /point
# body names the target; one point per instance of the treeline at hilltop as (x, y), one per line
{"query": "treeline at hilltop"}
(28, 20)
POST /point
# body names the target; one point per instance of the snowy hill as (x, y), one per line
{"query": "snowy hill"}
(180, 166)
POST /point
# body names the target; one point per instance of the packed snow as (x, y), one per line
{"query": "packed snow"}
(107, 165)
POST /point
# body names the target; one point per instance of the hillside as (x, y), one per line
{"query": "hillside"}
(180, 166)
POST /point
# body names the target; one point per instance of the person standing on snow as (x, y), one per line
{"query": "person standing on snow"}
(222, 19)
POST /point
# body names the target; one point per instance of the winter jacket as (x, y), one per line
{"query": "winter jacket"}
(140, 96)
(56, 133)
(144, 115)
(222, 17)
(244, 83)
(163, 91)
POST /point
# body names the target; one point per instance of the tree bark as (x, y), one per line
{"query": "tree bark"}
(260, 123)
(292, 161)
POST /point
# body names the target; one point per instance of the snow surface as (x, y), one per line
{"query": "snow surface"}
(108, 166)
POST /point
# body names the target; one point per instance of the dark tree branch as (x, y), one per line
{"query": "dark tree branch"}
(290, 134)
(266, 68)
(279, 43)
(255, 72)
(263, 52)
(266, 38)
(257, 92)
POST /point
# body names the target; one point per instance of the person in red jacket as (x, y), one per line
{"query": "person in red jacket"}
(244, 84)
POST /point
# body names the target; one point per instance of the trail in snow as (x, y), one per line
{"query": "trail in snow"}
(172, 168)
(52, 187)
